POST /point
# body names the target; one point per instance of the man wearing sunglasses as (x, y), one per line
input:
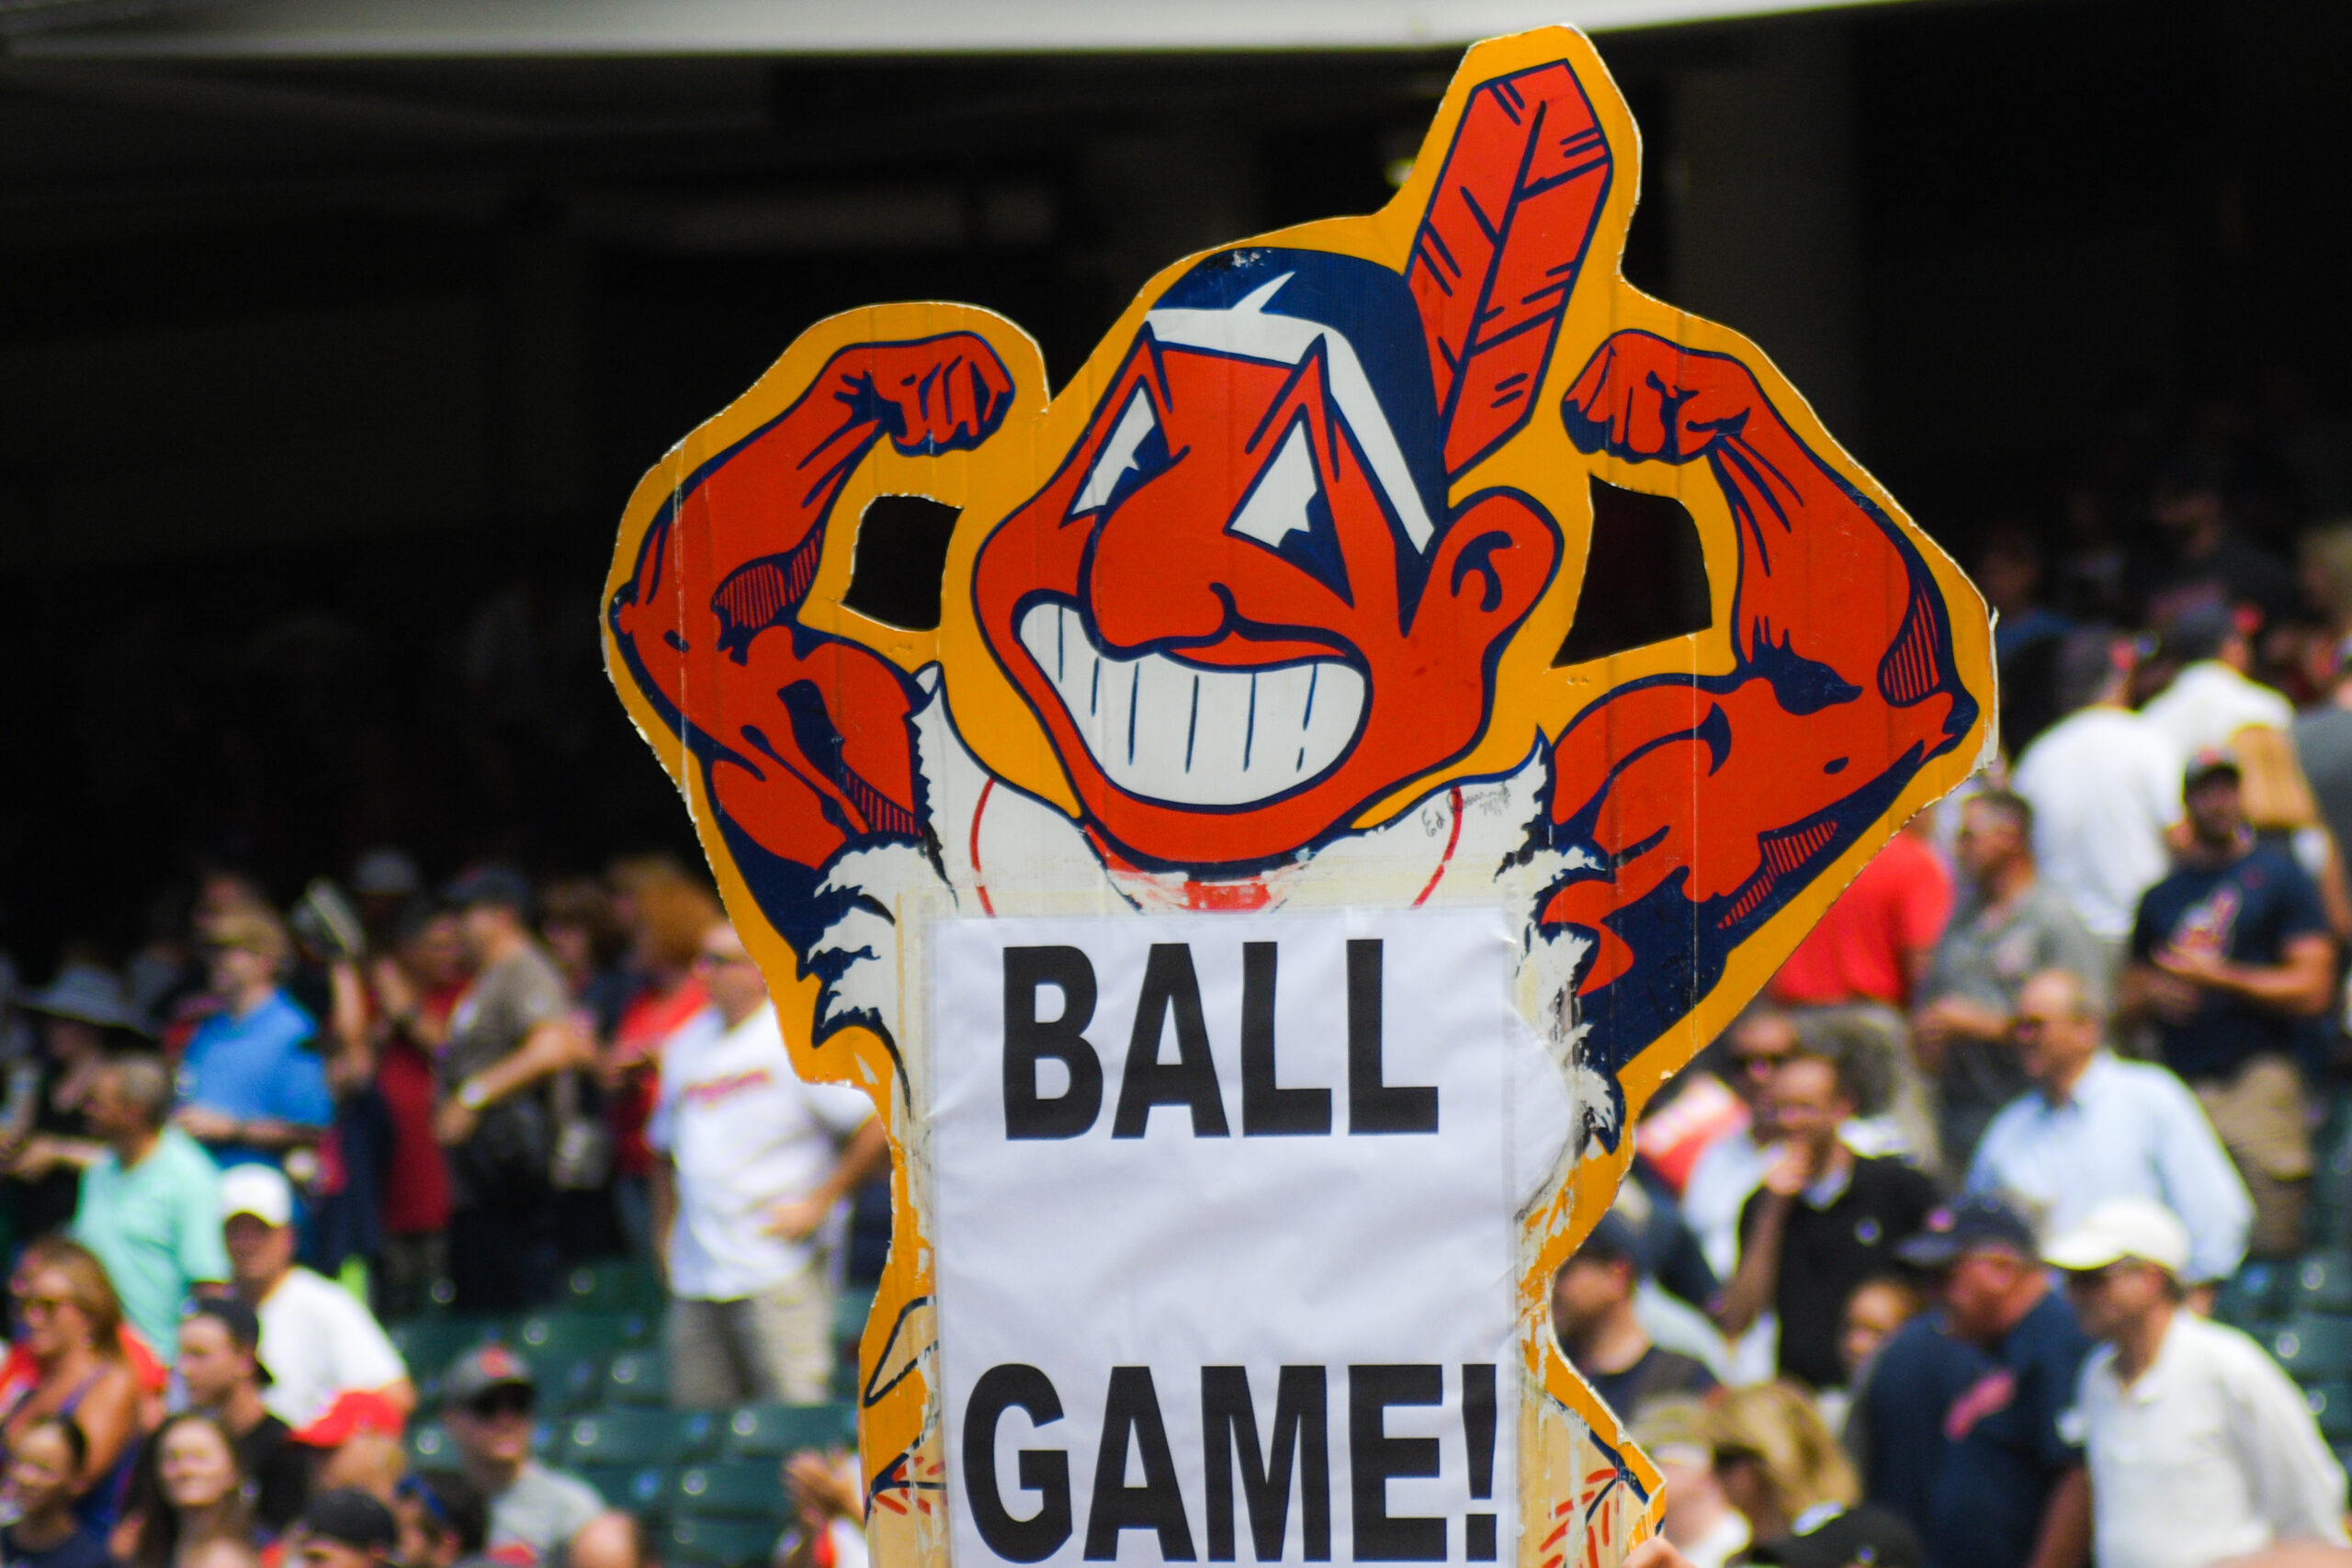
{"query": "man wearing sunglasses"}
(489, 1402)
(749, 1195)
(2200, 1448)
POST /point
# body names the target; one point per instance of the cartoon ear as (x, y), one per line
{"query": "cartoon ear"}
(1509, 223)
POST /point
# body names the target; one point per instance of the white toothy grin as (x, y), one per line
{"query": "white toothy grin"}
(1194, 734)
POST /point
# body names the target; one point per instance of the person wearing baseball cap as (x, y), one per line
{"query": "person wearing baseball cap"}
(219, 1366)
(2006, 1488)
(345, 1528)
(489, 1399)
(511, 1032)
(2233, 956)
(1592, 1313)
(317, 1338)
(2200, 1448)
(252, 1087)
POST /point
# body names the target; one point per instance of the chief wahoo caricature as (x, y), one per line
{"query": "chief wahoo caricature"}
(1262, 613)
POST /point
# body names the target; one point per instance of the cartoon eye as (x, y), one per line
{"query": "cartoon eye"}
(1286, 512)
(1136, 451)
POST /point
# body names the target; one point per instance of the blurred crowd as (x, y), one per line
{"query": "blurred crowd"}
(231, 1160)
(2012, 1226)
(2009, 1228)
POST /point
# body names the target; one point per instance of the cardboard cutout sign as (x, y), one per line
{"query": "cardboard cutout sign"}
(1257, 938)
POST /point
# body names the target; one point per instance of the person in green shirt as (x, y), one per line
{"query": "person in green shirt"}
(151, 1197)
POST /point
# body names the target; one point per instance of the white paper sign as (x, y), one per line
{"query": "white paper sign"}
(1225, 1233)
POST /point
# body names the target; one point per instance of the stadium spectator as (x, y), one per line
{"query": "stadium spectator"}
(2208, 566)
(44, 1532)
(535, 1512)
(2012, 926)
(150, 1202)
(316, 1337)
(444, 1521)
(2230, 955)
(2323, 738)
(251, 1088)
(84, 1016)
(828, 1497)
(74, 1334)
(358, 1442)
(345, 1528)
(221, 1368)
(2200, 1448)
(1874, 1314)
(1865, 1535)
(1874, 944)
(190, 1493)
(2094, 1128)
(1896, 1426)
(1758, 1041)
(1824, 1220)
(664, 911)
(2214, 695)
(1775, 1460)
(1592, 1313)
(1699, 1520)
(2010, 1490)
(2105, 788)
(510, 1033)
(755, 1169)
(414, 987)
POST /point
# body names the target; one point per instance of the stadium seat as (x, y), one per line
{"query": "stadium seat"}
(2314, 1348)
(2254, 1297)
(772, 1431)
(2323, 1282)
(736, 1488)
(636, 1489)
(636, 1438)
(573, 1333)
(621, 1285)
(708, 1543)
(2331, 1406)
(429, 1447)
(429, 1344)
(638, 1377)
(851, 1309)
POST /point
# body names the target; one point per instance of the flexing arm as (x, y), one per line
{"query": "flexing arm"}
(1844, 673)
(804, 735)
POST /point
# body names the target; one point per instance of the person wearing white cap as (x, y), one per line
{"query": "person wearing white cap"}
(316, 1338)
(2200, 1448)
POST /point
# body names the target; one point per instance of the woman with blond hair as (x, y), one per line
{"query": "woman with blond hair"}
(1776, 1460)
(72, 1330)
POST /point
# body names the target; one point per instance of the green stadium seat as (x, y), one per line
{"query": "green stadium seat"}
(429, 1344)
(572, 1385)
(638, 1377)
(2331, 1406)
(636, 1438)
(851, 1309)
(635, 1489)
(568, 1334)
(429, 1448)
(619, 1285)
(737, 1488)
(2323, 1282)
(721, 1542)
(2255, 1298)
(772, 1431)
(2315, 1348)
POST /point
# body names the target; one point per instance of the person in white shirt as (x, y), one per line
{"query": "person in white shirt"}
(2200, 1448)
(749, 1195)
(2094, 1128)
(2212, 697)
(317, 1338)
(2105, 788)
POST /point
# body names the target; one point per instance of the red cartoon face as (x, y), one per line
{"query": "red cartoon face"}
(1239, 607)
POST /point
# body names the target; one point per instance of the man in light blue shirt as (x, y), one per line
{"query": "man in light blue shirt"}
(2093, 1129)
(151, 1200)
(251, 1085)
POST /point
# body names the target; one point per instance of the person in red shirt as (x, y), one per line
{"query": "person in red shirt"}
(1876, 940)
(414, 991)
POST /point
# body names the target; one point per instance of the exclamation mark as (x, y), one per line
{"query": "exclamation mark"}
(1478, 1436)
